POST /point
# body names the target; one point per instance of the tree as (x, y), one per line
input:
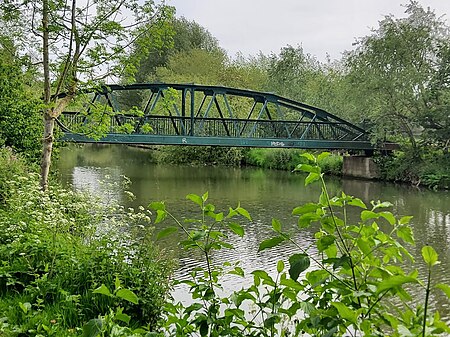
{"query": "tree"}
(400, 75)
(82, 44)
(151, 51)
(20, 126)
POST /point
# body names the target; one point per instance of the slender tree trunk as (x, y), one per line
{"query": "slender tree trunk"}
(49, 121)
(47, 147)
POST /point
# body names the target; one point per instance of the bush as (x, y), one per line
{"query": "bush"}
(57, 247)
(201, 155)
(430, 168)
(288, 159)
(11, 165)
(21, 124)
(280, 159)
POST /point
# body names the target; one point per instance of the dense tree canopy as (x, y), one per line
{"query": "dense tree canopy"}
(400, 75)
(20, 121)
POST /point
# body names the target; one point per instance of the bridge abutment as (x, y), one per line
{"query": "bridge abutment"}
(360, 167)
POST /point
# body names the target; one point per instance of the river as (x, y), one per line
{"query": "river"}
(266, 194)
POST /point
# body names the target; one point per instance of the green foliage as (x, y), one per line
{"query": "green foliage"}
(354, 280)
(152, 49)
(401, 88)
(288, 159)
(11, 166)
(60, 259)
(431, 168)
(201, 155)
(20, 119)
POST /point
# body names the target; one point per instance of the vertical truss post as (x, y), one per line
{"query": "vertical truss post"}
(191, 131)
(183, 109)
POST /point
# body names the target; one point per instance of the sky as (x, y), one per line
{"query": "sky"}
(320, 27)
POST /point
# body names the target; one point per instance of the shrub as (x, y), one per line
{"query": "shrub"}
(201, 155)
(11, 165)
(57, 247)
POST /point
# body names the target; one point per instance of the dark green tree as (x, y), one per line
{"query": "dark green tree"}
(20, 120)
(152, 51)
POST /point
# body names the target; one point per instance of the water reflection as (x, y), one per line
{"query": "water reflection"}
(265, 194)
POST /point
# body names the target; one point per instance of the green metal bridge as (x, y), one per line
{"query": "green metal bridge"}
(189, 114)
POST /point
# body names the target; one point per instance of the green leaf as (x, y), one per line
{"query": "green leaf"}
(292, 284)
(308, 156)
(166, 232)
(357, 202)
(237, 271)
(280, 266)
(276, 225)
(263, 276)
(345, 312)
(322, 156)
(117, 284)
(308, 168)
(312, 177)
(389, 217)
(405, 220)
(244, 213)
(324, 242)
(195, 198)
(157, 206)
(299, 263)
(205, 196)
(269, 243)
(219, 217)
(305, 220)
(25, 307)
(122, 317)
(160, 216)
(394, 282)
(429, 256)
(306, 208)
(93, 328)
(236, 229)
(204, 328)
(127, 295)
(366, 215)
(445, 288)
(406, 234)
(102, 290)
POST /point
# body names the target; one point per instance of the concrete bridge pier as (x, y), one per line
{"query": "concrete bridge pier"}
(360, 167)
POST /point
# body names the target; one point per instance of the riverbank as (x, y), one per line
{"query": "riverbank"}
(428, 169)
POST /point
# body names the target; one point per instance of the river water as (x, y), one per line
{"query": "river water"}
(266, 194)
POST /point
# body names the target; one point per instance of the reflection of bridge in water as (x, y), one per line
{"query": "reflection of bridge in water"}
(188, 114)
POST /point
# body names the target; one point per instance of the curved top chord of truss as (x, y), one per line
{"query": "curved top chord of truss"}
(189, 114)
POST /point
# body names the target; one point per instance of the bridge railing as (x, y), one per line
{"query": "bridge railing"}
(214, 127)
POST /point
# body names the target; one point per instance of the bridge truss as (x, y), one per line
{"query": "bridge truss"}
(189, 114)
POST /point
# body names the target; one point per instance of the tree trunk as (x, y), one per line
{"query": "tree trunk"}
(49, 121)
(47, 147)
